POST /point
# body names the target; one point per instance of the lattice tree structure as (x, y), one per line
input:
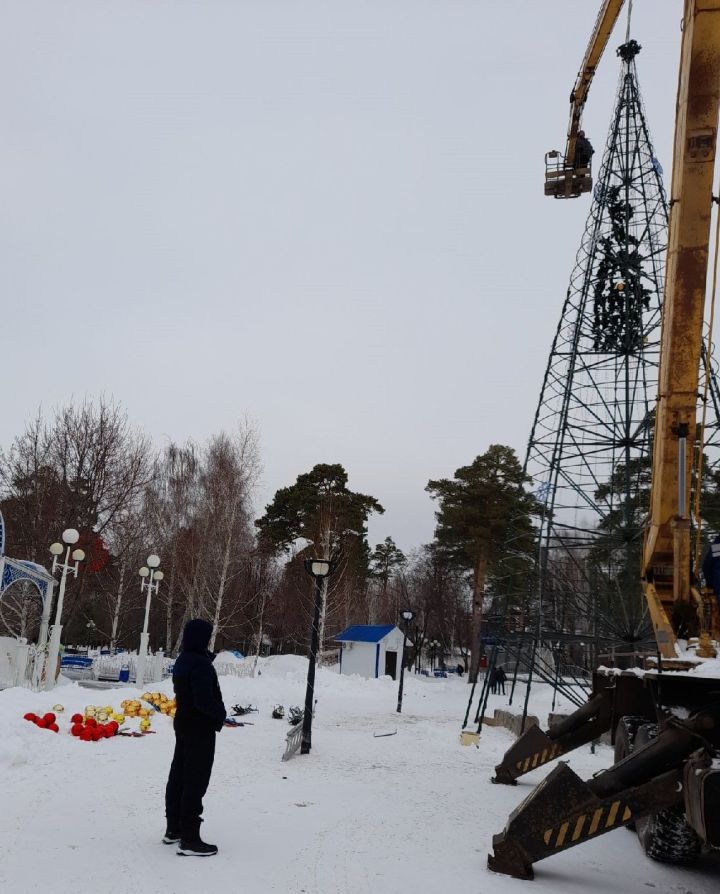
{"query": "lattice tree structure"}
(590, 446)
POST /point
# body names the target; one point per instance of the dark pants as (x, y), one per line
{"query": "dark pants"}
(501, 687)
(188, 781)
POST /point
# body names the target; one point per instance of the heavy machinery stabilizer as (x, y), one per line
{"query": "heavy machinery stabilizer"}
(672, 769)
(611, 699)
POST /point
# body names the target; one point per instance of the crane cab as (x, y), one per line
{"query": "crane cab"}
(563, 181)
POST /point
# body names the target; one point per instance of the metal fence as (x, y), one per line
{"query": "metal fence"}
(244, 668)
(293, 741)
(108, 667)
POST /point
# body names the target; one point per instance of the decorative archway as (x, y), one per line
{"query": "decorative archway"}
(13, 571)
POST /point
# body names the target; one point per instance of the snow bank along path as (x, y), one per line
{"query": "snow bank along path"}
(413, 812)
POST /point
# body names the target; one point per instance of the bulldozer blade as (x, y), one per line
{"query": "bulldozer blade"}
(520, 844)
(534, 747)
(564, 811)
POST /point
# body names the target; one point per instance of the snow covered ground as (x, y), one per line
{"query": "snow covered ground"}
(414, 812)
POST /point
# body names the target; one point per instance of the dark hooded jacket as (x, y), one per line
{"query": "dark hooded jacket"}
(198, 698)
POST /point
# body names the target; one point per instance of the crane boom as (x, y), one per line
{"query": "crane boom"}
(604, 24)
(666, 554)
(564, 177)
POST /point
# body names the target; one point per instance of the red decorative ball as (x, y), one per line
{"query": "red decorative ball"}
(97, 734)
(113, 727)
(76, 718)
(30, 716)
(76, 729)
(54, 727)
(86, 735)
(49, 717)
(90, 722)
(41, 722)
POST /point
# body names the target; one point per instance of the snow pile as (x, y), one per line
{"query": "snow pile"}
(708, 668)
(284, 665)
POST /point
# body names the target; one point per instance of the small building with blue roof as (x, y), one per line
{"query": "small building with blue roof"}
(371, 650)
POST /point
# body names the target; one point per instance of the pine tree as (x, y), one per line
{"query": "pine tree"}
(385, 560)
(320, 508)
(484, 516)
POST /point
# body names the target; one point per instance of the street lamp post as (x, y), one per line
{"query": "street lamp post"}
(150, 577)
(407, 617)
(318, 569)
(70, 538)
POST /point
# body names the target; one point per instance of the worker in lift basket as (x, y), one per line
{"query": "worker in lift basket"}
(711, 567)
(583, 150)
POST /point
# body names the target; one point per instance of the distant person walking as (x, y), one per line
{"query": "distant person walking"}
(500, 678)
(200, 714)
(493, 680)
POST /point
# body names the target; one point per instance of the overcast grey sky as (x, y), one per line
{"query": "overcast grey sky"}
(326, 215)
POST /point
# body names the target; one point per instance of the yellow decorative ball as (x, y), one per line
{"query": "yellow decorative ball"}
(144, 725)
(119, 719)
(102, 717)
(58, 709)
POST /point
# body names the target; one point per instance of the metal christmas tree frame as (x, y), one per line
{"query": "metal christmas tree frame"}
(589, 451)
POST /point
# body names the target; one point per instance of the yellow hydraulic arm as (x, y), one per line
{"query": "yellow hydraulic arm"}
(666, 554)
(563, 178)
(604, 25)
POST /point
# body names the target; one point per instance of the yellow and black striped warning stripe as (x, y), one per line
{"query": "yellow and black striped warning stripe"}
(538, 759)
(588, 824)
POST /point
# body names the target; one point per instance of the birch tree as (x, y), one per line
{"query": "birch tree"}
(230, 474)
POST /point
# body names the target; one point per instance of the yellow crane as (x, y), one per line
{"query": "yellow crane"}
(667, 553)
(665, 726)
(564, 177)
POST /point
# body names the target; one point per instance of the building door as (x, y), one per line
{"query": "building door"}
(391, 664)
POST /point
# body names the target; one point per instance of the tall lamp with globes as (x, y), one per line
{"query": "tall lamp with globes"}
(70, 537)
(150, 577)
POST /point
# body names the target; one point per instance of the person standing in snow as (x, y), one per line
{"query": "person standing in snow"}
(500, 678)
(200, 714)
(493, 680)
